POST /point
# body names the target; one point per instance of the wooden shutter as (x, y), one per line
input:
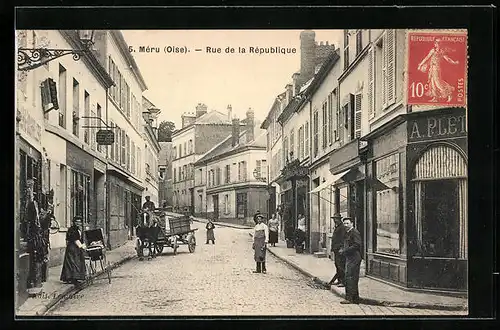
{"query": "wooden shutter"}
(391, 68)
(371, 83)
(357, 115)
(384, 70)
(351, 109)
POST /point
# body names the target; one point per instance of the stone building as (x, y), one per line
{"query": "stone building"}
(200, 132)
(151, 149)
(231, 178)
(165, 189)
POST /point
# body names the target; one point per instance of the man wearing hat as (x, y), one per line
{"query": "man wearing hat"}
(352, 253)
(337, 244)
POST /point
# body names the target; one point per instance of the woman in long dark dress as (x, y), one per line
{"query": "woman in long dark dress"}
(273, 225)
(73, 269)
(210, 232)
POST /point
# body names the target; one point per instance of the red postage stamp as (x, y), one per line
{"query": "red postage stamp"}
(437, 68)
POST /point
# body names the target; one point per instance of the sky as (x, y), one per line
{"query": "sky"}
(177, 82)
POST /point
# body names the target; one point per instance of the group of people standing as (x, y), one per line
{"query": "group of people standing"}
(346, 248)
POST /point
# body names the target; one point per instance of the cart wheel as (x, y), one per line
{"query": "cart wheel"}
(174, 244)
(159, 248)
(192, 244)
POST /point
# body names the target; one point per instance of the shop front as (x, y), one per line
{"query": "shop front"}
(348, 181)
(437, 200)
(124, 206)
(294, 184)
(30, 168)
(417, 201)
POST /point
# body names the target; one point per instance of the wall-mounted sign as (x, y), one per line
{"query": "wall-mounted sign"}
(105, 137)
(437, 127)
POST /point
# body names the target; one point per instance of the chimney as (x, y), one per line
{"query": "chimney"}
(201, 109)
(187, 119)
(250, 125)
(307, 55)
(229, 112)
(296, 83)
(289, 93)
(235, 138)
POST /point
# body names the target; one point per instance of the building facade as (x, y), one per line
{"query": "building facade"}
(53, 147)
(165, 189)
(231, 178)
(405, 173)
(151, 151)
(274, 156)
(126, 156)
(199, 133)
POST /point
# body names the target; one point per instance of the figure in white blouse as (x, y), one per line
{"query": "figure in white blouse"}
(260, 240)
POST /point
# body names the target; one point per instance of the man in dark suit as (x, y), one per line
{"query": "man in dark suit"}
(337, 244)
(352, 252)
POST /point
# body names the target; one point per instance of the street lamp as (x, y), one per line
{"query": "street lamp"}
(32, 58)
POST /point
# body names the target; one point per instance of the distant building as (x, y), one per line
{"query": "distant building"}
(165, 188)
(199, 133)
(231, 178)
(151, 151)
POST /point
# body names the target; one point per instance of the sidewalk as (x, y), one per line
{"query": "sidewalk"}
(372, 292)
(55, 291)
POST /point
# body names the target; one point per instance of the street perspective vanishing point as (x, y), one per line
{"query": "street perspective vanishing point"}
(241, 173)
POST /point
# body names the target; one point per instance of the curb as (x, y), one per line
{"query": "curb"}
(74, 289)
(367, 301)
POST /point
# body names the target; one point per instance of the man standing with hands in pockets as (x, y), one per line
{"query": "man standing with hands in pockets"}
(352, 252)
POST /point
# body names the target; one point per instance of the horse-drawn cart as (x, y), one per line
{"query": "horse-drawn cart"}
(165, 231)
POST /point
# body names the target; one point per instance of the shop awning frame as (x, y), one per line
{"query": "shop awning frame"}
(329, 182)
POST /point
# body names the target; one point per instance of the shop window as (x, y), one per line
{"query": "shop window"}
(79, 186)
(387, 215)
(343, 201)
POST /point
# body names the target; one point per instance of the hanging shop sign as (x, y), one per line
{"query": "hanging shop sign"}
(105, 137)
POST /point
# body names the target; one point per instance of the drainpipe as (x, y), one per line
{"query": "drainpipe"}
(106, 183)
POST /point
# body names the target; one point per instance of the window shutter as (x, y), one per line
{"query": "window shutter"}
(391, 68)
(351, 116)
(371, 83)
(357, 115)
(384, 70)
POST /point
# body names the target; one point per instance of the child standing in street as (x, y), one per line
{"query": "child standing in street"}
(210, 232)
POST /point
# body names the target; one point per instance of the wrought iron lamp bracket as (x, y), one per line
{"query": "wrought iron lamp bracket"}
(31, 58)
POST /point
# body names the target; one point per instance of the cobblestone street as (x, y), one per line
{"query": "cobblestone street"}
(214, 280)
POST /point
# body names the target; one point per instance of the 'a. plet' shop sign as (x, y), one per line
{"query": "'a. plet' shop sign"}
(437, 68)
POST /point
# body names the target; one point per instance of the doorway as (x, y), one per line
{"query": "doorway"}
(440, 221)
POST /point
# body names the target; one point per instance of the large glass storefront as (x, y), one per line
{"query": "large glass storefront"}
(387, 209)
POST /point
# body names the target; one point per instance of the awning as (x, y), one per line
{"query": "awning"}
(329, 182)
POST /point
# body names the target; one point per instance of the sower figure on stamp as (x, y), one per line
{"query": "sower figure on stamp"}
(352, 252)
(337, 244)
(260, 240)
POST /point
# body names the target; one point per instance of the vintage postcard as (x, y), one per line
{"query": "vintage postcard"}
(241, 173)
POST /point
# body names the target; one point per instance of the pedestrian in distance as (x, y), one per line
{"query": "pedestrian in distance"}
(273, 225)
(352, 253)
(260, 240)
(337, 244)
(210, 232)
(73, 270)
